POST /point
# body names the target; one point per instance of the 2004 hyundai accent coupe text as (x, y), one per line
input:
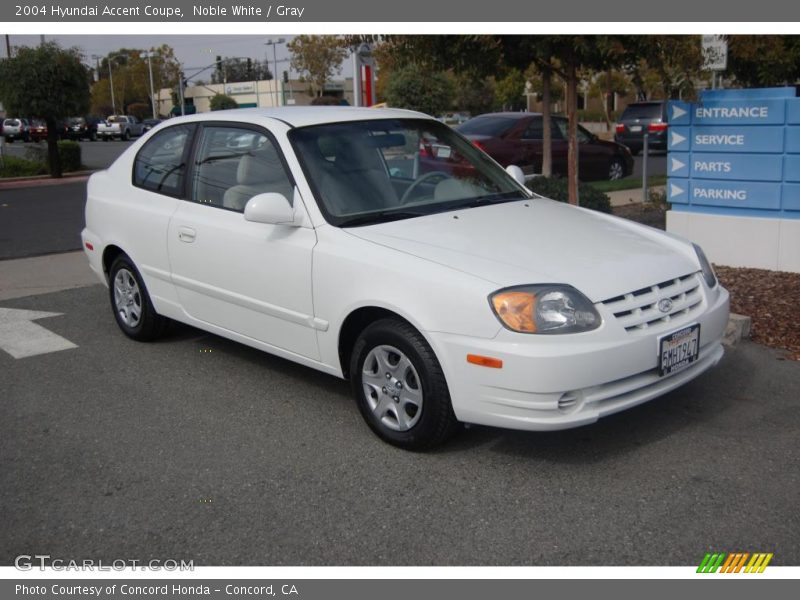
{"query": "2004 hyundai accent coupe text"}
(383, 247)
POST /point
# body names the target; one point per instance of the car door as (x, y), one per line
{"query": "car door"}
(253, 279)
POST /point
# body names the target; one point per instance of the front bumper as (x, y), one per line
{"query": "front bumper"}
(560, 382)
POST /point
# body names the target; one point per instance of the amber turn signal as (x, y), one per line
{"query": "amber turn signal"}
(485, 361)
(515, 309)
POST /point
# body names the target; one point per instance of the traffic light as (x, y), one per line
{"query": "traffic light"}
(219, 64)
(286, 77)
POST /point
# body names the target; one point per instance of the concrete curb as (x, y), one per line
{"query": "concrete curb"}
(738, 329)
(12, 183)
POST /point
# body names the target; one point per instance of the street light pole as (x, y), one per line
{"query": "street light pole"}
(111, 83)
(149, 55)
(274, 43)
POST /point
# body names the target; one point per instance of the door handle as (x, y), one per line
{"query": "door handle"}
(186, 234)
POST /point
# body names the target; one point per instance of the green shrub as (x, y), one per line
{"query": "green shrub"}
(68, 151)
(13, 166)
(222, 102)
(555, 188)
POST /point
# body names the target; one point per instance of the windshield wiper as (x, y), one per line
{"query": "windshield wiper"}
(493, 199)
(383, 216)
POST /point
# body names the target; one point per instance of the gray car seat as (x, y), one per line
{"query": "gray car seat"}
(258, 172)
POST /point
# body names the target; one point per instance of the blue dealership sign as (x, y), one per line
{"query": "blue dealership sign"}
(741, 194)
(743, 167)
(736, 152)
(739, 112)
(737, 139)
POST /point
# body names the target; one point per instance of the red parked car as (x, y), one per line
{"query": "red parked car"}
(516, 139)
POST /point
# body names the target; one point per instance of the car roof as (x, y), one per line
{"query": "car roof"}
(302, 116)
(510, 115)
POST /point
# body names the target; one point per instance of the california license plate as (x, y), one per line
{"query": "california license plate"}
(636, 128)
(678, 350)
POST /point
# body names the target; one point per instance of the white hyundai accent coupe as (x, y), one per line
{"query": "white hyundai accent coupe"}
(383, 247)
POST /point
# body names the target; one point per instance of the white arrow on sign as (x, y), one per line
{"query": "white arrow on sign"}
(677, 165)
(677, 138)
(677, 111)
(21, 337)
(674, 190)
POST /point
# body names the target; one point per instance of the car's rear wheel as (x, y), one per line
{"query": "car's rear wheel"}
(126, 136)
(131, 304)
(399, 386)
(616, 170)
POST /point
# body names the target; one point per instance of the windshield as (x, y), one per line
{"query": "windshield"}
(366, 172)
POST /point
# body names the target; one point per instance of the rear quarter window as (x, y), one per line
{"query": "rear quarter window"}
(160, 165)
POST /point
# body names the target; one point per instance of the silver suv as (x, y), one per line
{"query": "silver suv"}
(16, 129)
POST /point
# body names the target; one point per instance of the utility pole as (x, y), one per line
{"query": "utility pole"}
(274, 43)
(149, 55)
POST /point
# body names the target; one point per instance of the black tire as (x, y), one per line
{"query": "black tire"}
(9, 140)
(126, 136)
(150, 325)
(437, 421)
(616, 169)
(93, 136)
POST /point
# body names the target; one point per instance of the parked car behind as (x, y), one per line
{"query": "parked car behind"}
(318, 234)
(16, 129)
(37, 131)
(516, 139)
(642, 118)
(82, 128)
(120, 127)
(148, 124)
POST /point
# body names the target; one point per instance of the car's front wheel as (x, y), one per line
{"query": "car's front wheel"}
(399, 386)
(131, 304)
(616, 170)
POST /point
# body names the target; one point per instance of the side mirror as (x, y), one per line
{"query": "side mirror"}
(270, 208)
(516, 173)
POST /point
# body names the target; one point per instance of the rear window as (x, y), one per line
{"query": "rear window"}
(11, 122)
(493, 126)
(650, 110)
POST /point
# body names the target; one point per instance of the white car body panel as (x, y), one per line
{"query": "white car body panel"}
(289, 289)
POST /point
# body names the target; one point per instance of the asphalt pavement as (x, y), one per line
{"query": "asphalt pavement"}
(41, 219)
(199, 448)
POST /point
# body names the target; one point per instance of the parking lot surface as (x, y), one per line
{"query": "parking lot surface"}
(200, 448)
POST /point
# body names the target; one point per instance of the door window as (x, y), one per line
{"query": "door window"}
(233, 164)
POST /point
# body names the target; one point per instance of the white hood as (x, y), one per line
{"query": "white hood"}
(543, 242)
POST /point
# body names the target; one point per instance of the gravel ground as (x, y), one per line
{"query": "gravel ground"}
(769, 298)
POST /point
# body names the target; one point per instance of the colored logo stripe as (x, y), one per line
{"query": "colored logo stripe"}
(734, 562)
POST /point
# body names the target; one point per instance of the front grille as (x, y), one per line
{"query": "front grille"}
(638, 310)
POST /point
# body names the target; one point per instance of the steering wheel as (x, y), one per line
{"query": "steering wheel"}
(422, 179)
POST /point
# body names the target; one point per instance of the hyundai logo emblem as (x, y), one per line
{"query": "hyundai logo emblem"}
(665, 305)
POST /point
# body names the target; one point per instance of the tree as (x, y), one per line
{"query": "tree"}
(47, 82)
(317, 58)
(676, 61)
(427, 92)
(510, 90)
(223, 102)
(764, 60)
(131, 76)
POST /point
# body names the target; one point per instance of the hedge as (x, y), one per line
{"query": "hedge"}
(69, 151)
(555, 188)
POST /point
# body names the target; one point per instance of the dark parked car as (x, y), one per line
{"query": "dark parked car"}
(516, 139)
(37, 131)
(148, 124)
(640, 118)
(82, 128)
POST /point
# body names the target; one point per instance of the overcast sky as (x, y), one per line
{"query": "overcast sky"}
(192, 50)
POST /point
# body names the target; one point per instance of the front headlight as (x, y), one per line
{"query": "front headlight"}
(708, 271)
(549, 308)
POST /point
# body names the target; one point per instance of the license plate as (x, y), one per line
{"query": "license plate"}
(678, 350)
(636, 128)
(443, 152)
